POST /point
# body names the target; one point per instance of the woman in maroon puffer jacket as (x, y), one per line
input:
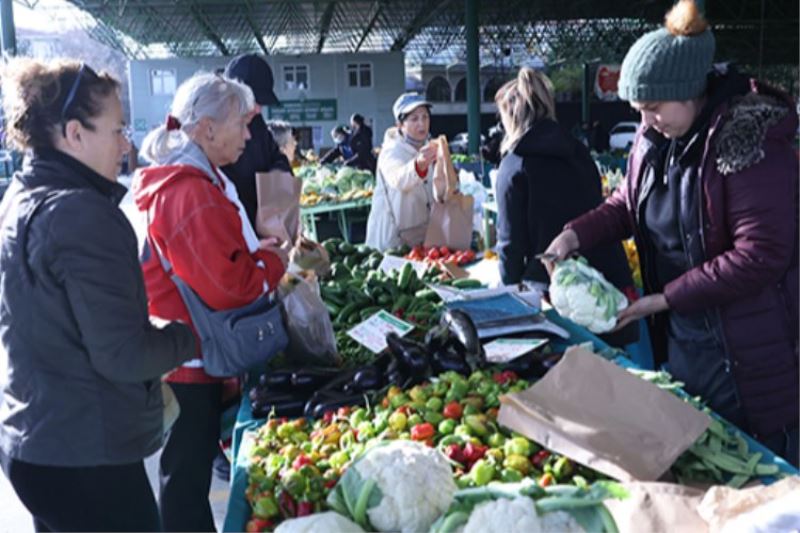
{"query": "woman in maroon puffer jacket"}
(711, 197)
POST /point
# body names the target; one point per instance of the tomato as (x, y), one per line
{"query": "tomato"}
(257, 524)
(444, 250)
(433, 254)
(453, 410)
(422, 431)
(469, 255)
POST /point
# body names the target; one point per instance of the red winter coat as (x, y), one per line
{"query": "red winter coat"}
(199, 231)
(746, 253)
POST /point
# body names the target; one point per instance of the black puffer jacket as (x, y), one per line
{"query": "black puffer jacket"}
(84, 361)
(548, 179)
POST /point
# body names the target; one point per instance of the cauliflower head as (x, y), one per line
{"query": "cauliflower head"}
(416, 482)
(517, 515)
(329, 522)
(582, 294)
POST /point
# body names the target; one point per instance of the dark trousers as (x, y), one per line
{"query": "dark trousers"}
(187, 458)
(97, 498)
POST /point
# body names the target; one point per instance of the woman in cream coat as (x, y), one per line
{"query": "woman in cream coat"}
(403, 192)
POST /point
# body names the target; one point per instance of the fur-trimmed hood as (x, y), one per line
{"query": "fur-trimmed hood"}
(747, 123)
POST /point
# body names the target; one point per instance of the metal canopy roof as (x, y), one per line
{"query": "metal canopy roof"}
(750, 31)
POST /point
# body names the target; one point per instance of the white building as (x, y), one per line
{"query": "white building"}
(317, 92)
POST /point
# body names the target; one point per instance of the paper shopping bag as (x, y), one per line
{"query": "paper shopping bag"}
(604, 417)
(278, 213)
(450, 222)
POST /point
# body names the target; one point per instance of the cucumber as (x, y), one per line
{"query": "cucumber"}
(368, 312)
(405, 276)
(333, 309)
(347, 311)
(401, 303)
(426, 294)
(467, 283)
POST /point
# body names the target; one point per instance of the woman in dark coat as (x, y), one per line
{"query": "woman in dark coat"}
(545, 179)
(711, 199)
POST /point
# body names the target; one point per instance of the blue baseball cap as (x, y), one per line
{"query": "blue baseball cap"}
(408, 102)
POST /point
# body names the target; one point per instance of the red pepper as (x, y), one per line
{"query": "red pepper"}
(473, 452)
(399, 313)
(256, 525)
(453, 410)
(287, 505)
(327, 418)
(539, 458)
(330, 483)
(305, 508)
(300, 461)
(504, 377)
(343, 412)
(454, 452)
(422, 431)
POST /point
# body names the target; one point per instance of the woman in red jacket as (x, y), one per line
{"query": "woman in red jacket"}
(711, 198)
(203, 234)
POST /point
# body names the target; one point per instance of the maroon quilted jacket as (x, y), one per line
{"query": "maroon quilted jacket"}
(748, 231)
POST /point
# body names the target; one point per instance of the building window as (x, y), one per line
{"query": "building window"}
(438, 90)
(359, 74)
(295, 77)
(163, 81)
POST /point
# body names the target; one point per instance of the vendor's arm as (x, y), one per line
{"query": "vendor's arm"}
(331, 156)
(761, 214)
(512, 226)
(105, 289)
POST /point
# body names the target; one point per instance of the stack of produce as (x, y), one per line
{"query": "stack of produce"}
(438, 255)
(294, 464)
(329, 183)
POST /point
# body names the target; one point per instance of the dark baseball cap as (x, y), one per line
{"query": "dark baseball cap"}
(254, 71)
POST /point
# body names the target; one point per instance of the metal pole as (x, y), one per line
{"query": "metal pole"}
(9, 39)
(473, 77)
(585, 90)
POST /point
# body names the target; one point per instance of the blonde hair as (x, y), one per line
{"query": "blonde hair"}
(204, 95)
(522, 102)
(685, 19)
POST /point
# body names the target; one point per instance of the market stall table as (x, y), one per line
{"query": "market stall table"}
(309, 216)
(238, 512)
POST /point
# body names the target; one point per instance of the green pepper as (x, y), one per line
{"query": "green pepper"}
(307, 447)
(517, 446)
(477, 423)
(365, 431)
(398, 400)
(562, 468)
(496, 440)
(449, 439)
(398, 421)
(471, 410)
(508, 475)
(418, 393)
(295, 483)
(434, 404)
(323, 465)
(414, 419)
(463, 482)
(433, 417)
(476, 401)
(299, 437)
(458, 389)
(440, 388)
(285, 430)
(481, 473)
(462, 430)
(447, 426)
(495, 455)
(265, 505)
(339, 459)
(358, 416)
(519, 463)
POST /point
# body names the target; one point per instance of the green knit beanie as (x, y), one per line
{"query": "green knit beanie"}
(661, 66)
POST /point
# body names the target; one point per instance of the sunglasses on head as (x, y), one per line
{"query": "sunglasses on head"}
(73, 90)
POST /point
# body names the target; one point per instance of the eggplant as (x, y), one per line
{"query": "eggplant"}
(277, 380)
(333, 402)
(446, 360)
(461, 326)
(368, 378)
(437, 338)
(310, 379)
(409, 354)
(288, 405)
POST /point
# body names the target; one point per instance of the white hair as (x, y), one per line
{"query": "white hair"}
(204, 95)
(281, 131)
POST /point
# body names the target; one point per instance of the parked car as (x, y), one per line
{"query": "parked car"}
(621, 136)
(460, 143)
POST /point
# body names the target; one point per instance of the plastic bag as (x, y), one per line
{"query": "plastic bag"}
(308, 323)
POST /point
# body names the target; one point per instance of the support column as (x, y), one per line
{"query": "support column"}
(473, 76)
(9, 39)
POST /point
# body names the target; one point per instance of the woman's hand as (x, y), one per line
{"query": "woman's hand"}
(427, 155)
(649, 305)
(562, 246)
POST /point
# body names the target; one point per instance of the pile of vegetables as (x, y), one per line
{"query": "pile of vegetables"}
(582, 294)
(441, 254)
(294, 464)
(721, 454)
(357, 289)
(330, 183)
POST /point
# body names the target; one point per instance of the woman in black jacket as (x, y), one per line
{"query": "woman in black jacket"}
(82, 403)
(545, 179)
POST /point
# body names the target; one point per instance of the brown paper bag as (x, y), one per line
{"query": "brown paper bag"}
(657, 507)
(278, 213)
(604, 417)
(450, 223)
